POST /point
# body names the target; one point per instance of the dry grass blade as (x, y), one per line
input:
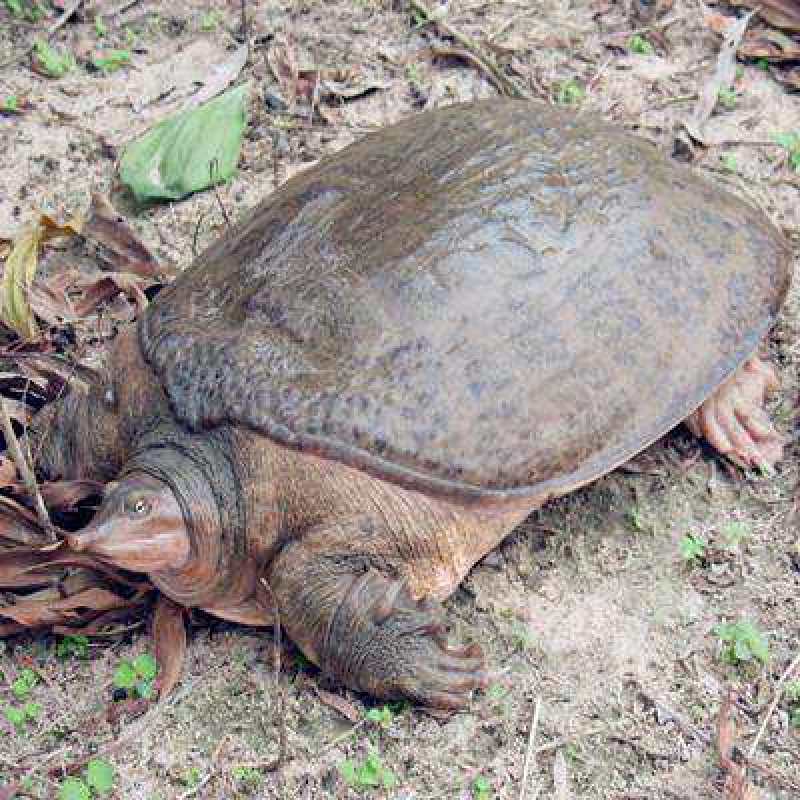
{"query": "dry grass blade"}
(790, 670)
(530, 753)
(26, 473)
(339, 704)
(722, 78)
(736, 786)
(560, 777)
(504, 83)
(169, 636)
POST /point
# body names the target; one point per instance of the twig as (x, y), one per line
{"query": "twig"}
(564, 740)
(775, 700)
(69, 10)
(488, 64)
(441, 51)
(530, 753)
(280, 691)
(213, 169)
(27, 475)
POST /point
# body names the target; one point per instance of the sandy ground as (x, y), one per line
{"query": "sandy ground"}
(589, 610)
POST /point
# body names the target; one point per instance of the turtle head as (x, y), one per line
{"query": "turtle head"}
(140, 526)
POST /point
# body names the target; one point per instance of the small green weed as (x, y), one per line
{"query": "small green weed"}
(742, 643)
(790, 141)
(640, 45)
(97, 781)
(100, 27)
(382, 716)
(9, 105)
(369, 774)
(111, 60)
(727, 97)
(22, 9)
(734, 533)
(481, 788)
(692, 548)
(570, 93)
(191, 777)
(20, 716)
(211, 20)
(51, 62)
(728, 161)
(72, 646)
(137, 676)
(24, 684)
(247, 777)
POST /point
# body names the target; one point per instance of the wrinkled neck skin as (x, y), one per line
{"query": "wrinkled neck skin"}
(91, 431)
(200, 473)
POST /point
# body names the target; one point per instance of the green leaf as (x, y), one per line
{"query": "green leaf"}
(641, 46)
(50, 61)
(111, 60)
(125, 675)
(347, 770)
(481, 788)
(382, 716)
(74, 789)
(24, 683)
(16, 716)
(692, 547)
(144, 689)
(188, 152)
(100, 776)
(146, 666)
(76, 646)
(32, 710)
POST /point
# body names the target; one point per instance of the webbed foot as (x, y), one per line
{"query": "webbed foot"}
(384, 642)
(734, 420)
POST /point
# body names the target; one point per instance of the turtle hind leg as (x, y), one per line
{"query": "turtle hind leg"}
(361, 625)
(734, 420)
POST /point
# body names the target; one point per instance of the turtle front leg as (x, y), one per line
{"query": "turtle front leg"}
(350, 612)
(734, 420)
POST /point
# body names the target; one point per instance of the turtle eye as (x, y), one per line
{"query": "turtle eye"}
(137, 506)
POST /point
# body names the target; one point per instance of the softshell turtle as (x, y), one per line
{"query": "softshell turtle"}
(361, 389)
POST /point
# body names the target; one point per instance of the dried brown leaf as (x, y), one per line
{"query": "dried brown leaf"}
(771, 45)
(169, 636)
(20, 270)
(99, 290)
(780, 13)
(39, 613)
(282, 59)
(339, 704)
(63, 495)
(105, 226)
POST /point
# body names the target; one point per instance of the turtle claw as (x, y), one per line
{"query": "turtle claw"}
(734, 421)
(390, 645)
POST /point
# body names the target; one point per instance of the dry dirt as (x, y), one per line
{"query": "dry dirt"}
(589, 609)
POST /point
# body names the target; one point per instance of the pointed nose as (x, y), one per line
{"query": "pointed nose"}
(83, 540)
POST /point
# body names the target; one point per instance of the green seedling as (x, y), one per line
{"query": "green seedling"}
(742, 643)
(382, 716)
(734, 533)
(728, 161)
(247, 777)
(640, 45)
(97, 781)
(481, 788)
(100, 27)
(52, 62)
(210, 20)
(111, 60)
(24, 683)
(727, 97)
(790, 141)
(9, 105)
(692, 548)
(137, 676)
(570, 93)
(191, 777)
(369, 774)
(71, 646)
(793, 695)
